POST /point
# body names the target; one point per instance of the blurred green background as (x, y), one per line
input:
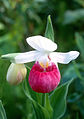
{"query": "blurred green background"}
(20, 19)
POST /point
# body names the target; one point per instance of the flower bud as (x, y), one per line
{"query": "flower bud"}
(16, 73)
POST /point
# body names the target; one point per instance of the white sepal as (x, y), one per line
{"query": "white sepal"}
(27, 57)
(10, 56)
(64, 58)
(41, 43)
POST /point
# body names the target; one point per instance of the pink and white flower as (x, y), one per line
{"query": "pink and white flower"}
(44, 75)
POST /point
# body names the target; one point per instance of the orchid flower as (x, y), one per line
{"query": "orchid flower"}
(16, 73)
(44, 75)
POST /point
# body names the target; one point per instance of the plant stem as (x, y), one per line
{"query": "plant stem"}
(43, 99)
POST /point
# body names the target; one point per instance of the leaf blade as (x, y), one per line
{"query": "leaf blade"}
(40, 111)
(49, 33)
(58, 100)
(2, 111)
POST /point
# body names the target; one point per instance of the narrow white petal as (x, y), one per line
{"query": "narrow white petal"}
(10, 56)
(64, 58)
(41, 43)
(27, 57)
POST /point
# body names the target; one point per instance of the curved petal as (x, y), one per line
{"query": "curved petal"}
(27, 57)
(64, 58)
(41, 43)
(10, 56)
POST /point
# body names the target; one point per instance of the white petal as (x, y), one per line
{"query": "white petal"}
(10, 56)
(27, 57)
(41, 43)
(64, 58)
(43, 58)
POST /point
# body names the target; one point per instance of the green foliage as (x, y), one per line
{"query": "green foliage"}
(54, 105)
(2, 111)
(58, 100)
(40, 111)
(80, 43)
(81, 2)
(73, 16)
(49, 33)
(48, 105)
(20, 19)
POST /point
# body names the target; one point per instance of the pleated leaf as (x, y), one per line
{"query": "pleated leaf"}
(58, 100)
(40, 111)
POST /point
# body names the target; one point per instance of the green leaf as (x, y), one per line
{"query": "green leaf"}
(6, 3)
(40, 111)
(49, 33)
(81, 2)
(2, 111)
(80, 43)
(77, 71)
(73, 16)
(7, 44)
(58, 100)
(36, 96)
(2, 26)
(48, 105)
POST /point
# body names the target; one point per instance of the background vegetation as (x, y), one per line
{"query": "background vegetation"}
(20, 19)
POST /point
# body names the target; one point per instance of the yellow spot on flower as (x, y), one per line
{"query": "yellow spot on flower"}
(43, 65)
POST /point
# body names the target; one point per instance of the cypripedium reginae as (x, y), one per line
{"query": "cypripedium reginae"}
(44, 75)
(16, 73)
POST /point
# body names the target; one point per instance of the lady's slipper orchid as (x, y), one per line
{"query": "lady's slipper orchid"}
(44, 75)
(16, 73)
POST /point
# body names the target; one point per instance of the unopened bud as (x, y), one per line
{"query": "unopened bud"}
(16, 73)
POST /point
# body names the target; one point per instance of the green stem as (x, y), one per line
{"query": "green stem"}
(43, 99)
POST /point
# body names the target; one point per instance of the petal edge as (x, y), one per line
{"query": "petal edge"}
(64, 58)
(27, 57)
(41, 43)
